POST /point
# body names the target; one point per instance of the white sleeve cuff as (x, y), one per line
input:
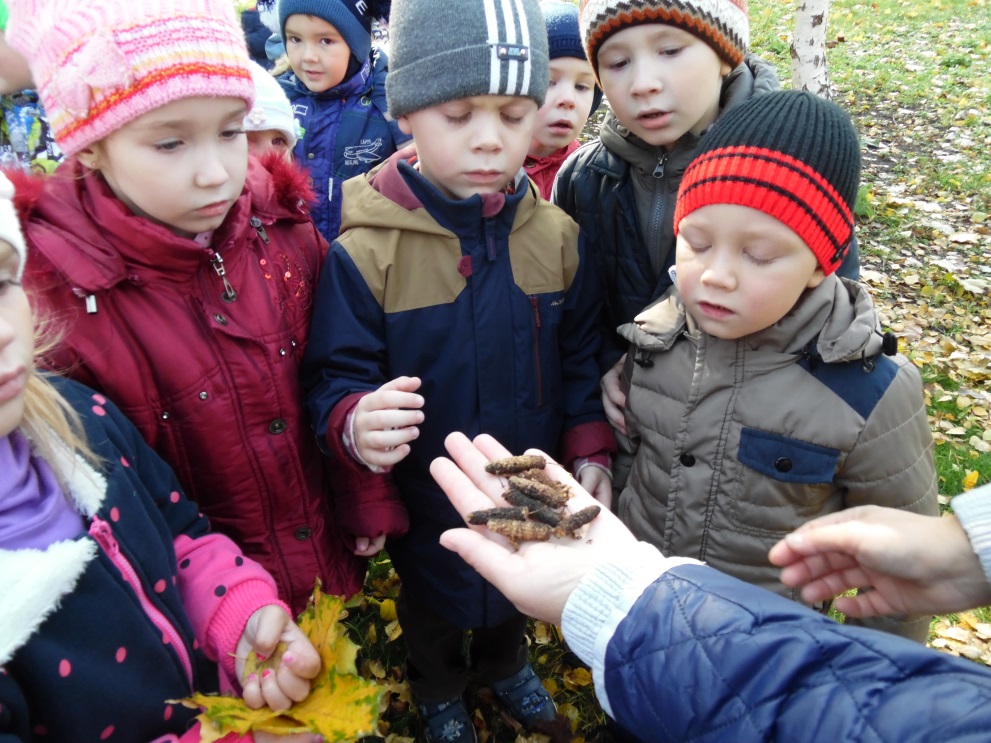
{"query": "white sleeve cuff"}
(973, 511)
(604, 598)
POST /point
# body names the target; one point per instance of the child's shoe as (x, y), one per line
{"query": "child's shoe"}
(446, 722)
(525, 697)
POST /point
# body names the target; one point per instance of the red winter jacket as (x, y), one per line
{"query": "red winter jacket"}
(211, 384)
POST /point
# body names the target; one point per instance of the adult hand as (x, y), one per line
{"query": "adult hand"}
(386, 420)
(613, 398)
(538, 577)
(290, 682)
(914, 564)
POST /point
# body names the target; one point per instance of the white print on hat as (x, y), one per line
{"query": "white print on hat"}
(514, 47)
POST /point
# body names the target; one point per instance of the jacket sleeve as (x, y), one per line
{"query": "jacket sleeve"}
(220, 588)
(698, 655)
(892, 465)
(586, 432)
(346, 358)
(973, 511)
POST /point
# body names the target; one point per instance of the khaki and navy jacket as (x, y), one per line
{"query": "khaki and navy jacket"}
(740, 442)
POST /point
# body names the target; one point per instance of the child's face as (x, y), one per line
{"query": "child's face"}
(661, 81)
(16, 341)
(181, 165)
(472, 145)
(569, 99)
(317, 52)
(260, 142)
(740, 270)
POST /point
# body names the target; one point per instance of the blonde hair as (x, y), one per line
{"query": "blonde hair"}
(49, 421)
(280, 66)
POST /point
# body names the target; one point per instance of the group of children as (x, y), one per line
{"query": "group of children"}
(300, 393)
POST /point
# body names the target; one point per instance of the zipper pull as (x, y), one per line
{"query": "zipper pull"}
(103, 535)
(217, 262)
(260, 229)
(662, 161)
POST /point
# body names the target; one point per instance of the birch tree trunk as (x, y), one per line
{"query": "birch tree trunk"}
(808, 48)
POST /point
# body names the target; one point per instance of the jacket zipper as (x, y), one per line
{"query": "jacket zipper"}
(657, 212)
(536, 351)
(260, 229)
(217, 262)
(103, 534)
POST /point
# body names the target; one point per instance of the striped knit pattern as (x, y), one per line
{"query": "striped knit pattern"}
(789, 154)
(722, 24)
(442, 51)
(101, 65)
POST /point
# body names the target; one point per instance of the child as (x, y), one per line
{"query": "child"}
(572, 96)
(762, 392)
(337, 90)
(116, 598)
(180, 273)
(455, 299)
(270, 125)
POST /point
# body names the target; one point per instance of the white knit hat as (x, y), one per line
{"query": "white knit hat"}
(10, 225)
(272, 109)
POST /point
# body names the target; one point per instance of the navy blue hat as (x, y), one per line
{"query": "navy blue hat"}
(564, 38)
(352, 19)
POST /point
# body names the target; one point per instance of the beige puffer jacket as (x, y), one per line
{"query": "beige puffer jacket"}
(740, 442)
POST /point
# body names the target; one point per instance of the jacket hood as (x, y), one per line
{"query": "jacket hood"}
(75, 206)
(839, 309)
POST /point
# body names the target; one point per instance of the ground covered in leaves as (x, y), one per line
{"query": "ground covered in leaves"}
(915, 79)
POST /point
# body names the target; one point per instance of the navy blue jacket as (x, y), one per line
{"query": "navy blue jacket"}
(97, 633)
(487, 300)
(706, 658)
(346, 132)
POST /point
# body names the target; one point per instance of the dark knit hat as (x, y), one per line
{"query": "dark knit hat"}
(352, 19)
(722, 24)
(790, 154)
(563, 37)
(441, 50)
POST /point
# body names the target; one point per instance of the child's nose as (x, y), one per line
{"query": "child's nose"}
(719, 272)
(645, 79)
(212, 170)
(487, 135)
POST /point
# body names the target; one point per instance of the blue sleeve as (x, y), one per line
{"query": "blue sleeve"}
(346, 351)
(581, 340)
(707, 658)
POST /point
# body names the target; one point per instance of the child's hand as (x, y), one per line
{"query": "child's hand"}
(598, 483)
(290, 682)
(385, 421)
(613, 399)
(369, 546)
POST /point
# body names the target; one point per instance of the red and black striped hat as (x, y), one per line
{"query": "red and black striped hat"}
(789, 154)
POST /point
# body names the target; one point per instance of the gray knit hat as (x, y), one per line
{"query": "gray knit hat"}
(441, 50)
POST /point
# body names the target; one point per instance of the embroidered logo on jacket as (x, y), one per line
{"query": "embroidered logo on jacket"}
(368, 151)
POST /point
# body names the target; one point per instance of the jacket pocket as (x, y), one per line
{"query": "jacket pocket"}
(786, 459)
(778, 483)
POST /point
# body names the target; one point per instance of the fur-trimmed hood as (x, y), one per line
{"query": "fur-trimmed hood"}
(33, 582)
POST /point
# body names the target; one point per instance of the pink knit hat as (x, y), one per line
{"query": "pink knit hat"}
(99, 65)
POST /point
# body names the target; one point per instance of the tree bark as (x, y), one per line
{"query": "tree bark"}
(808, 48)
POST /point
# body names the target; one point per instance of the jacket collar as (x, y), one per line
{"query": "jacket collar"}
(33, 582)
(394, 194)
(837, 318)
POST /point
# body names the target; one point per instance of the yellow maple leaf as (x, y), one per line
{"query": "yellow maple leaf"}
(340, 706)
(970, 480)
